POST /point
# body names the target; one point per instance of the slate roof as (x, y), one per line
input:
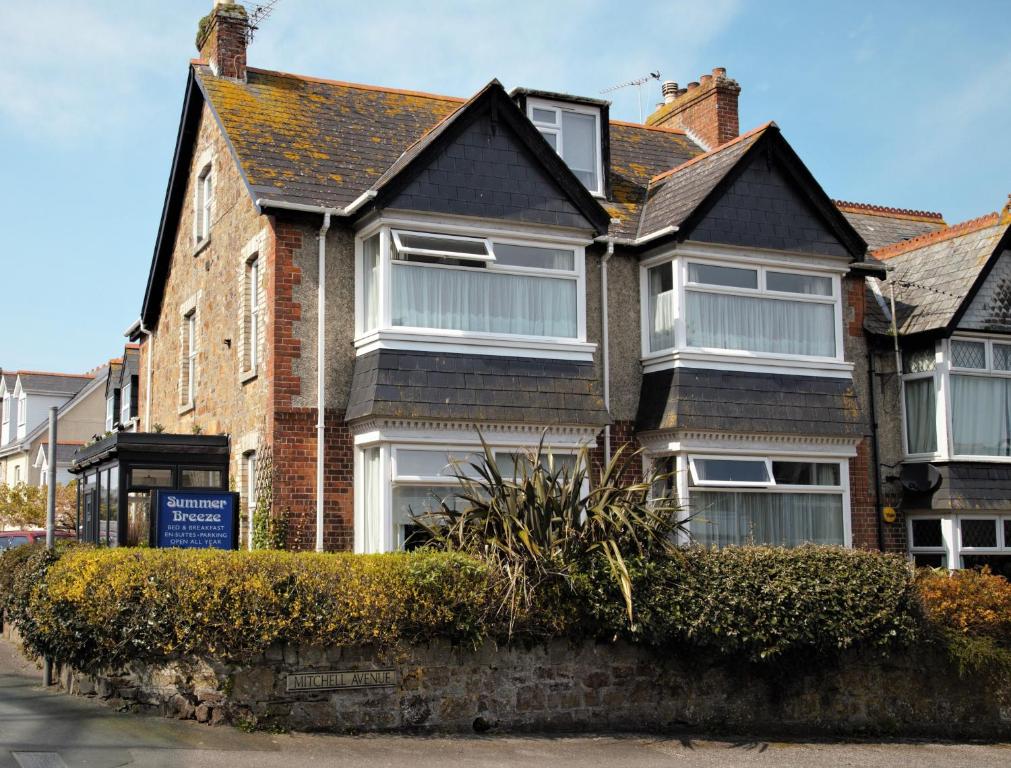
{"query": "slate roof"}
(881, 225)
(54, 383)
(934, 274)
(478, 388)
(324, 142)
(749, 403)
(676, 193)
(64, 450)
(131, 360)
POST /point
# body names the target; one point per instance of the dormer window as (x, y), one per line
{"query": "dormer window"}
(573, 130)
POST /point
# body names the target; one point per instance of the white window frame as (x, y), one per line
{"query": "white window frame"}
(6, 410)
(942, 373)
(203, 203)
(939, 411)
(696, 477)
(446, 254)
(190, 342)
(22, 410)
(558, 107)
(385, 335)
(947, 536)
(683, 355)
(125, 408)
(253, 310)
(110, 412)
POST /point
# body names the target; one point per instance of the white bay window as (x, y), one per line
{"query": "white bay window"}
(397, 482)
(957, 399)
(771, 500)
(743, 312)
(961, 541)
(433, 287)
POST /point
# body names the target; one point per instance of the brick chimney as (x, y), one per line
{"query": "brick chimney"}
(707, 109)
(221, 39)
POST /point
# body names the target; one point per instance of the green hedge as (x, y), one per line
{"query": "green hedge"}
(101, 607)
(760, 603)
(104, 607)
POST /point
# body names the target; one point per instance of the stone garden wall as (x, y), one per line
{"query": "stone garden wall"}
(560, 687)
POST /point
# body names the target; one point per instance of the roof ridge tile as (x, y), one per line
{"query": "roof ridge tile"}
(940, 235)
(885, 210)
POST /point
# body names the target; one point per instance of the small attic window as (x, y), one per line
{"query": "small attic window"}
(573, 130)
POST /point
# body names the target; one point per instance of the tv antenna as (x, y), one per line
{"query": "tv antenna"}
(256, 14)
(639, 82)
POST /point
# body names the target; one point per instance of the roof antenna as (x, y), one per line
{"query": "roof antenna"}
(638, 83)
(256, 14)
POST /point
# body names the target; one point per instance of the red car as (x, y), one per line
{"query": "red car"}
(11, 539)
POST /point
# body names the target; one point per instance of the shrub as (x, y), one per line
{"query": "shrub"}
(536, 522)
(762, 602)
(972, 603)
(95, 608)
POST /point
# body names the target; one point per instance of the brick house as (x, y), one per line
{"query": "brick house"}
(352, 278)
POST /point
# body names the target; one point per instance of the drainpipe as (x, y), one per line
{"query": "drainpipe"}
(321, 378)
(875, 457)
(605, 344)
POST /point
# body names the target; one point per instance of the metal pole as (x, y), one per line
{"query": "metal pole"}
(47, 667)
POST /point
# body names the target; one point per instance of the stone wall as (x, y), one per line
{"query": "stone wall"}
(568, 687)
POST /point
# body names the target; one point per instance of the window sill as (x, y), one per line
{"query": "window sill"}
(183, 409)
(199, 247)
(447, 342)
(247, 376)
(780, 364)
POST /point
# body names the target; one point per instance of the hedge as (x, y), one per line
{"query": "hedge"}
(97, 608)
(973, 603)
(761, 603)
(104, 607)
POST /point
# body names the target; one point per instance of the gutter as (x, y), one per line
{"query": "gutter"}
(262, 204)
(633, 242)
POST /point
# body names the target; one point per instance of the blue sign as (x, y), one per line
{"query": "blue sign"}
(196, 519)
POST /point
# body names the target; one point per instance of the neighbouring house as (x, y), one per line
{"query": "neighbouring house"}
(941, 332)
(80, 403)
(349, 280)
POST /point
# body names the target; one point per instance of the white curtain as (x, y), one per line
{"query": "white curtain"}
(661, 327)
(921, 424)
(758, 324)
(370, 281)
(371, 520)
(724, 518)
(483, 301)
(980, 415)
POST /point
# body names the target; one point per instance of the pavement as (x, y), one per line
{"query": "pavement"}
(46, 729)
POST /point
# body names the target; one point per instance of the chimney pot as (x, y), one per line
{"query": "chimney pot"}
(705, 79)
(719, 72)
(669, 89)
(692, 86)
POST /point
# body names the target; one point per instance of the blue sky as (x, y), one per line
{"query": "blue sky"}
(905, 104)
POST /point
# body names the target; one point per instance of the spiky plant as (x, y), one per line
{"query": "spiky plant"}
(538, 522)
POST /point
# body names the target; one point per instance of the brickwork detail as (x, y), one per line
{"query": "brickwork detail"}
(222, 40)
(622, 436)
(706, 109)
